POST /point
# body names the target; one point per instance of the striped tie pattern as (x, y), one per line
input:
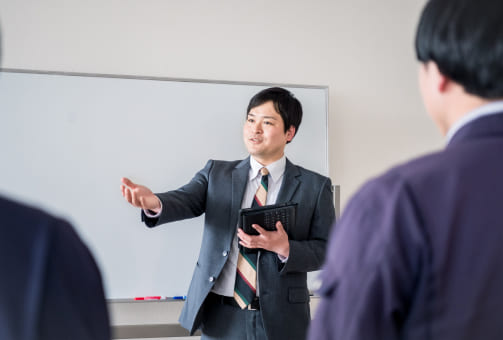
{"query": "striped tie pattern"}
(246, 276)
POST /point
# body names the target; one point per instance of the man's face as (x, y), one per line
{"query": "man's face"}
(264, 133)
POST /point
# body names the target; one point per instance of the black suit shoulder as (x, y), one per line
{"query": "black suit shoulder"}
(310, 173)
(222, 170)
(314, 178)
(28, 224)
(20, 213)
(228, 165)
(49, 272)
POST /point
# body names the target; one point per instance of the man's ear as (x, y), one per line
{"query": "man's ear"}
(442, 82)
(290, 133)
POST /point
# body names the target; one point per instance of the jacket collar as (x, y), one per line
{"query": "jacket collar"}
(291, 181)
(482, 127)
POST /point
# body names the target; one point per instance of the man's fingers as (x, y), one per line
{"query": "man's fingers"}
(243, 236)
(127, 182)
(127, 195)
(244, 239)
(268, 240)
(241, 233)
(279, 226)
(258, 228)
(249, 244)
(262, 231)
(131, 197)
(139, 196)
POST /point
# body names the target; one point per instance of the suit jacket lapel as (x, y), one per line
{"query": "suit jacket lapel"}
(239, 178)
(290, 183)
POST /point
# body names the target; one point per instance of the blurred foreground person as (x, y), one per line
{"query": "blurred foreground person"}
(417, 253)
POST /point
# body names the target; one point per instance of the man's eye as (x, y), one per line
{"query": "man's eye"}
(250, 120)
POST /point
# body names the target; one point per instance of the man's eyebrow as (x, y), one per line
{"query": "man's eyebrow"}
(269, 117)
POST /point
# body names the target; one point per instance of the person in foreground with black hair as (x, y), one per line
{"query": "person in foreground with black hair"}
(417, 253)
(50, 285)
(279, 305)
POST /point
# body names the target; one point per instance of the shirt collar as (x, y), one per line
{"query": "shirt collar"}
(484, 110)
(276, 169)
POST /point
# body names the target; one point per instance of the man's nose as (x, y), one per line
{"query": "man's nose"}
(257, 128)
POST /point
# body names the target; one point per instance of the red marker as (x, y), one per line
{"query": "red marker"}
(153, 297)
(148, 298)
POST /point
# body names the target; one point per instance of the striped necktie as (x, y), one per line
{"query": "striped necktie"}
(246, 276)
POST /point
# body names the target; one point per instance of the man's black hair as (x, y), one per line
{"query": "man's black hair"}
(284, 103)
(465, 39)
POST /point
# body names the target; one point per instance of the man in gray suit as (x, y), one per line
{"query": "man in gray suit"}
(220, 190)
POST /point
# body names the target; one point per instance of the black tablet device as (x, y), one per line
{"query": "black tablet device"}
(267, 216)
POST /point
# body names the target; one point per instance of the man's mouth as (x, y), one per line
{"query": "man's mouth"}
(255, 140)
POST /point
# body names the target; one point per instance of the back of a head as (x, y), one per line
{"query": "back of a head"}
(465, 39)
(284, 103)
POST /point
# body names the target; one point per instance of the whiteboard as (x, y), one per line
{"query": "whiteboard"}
(67, 139)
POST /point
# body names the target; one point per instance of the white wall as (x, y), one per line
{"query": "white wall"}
(362, 49)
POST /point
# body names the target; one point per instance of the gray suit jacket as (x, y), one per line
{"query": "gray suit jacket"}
(217, 191)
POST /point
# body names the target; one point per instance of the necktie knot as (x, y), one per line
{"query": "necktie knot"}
(264, 172)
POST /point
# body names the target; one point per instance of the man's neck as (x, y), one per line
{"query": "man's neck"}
(266, 162)
(460, 105)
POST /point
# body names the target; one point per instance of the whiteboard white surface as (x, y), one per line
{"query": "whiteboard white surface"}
(66, 140)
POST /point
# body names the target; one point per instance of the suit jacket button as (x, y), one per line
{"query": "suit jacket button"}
(225, 253)
(211, 279)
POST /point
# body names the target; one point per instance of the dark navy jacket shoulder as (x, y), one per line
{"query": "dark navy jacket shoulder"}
(50, 286)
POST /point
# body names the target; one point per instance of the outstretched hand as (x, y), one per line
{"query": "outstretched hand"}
(140, 196)
(275, 241)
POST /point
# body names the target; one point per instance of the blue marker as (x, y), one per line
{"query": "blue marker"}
(179, 297)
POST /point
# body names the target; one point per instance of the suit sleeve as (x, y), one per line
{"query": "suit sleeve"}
(186, 202)
(73, 303)
(373, 261)
(308, 255)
